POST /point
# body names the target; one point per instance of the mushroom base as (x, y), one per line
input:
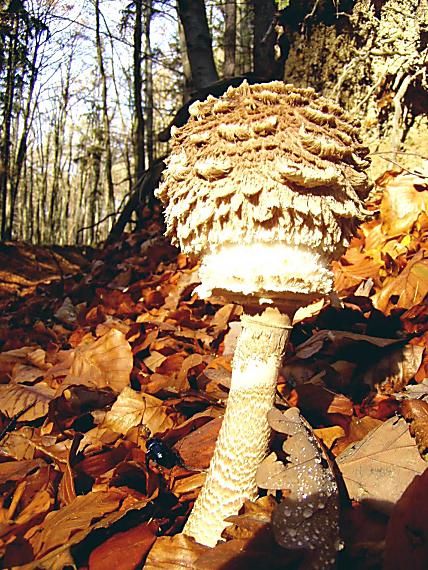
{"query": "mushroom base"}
(244, 435)
(265, 270)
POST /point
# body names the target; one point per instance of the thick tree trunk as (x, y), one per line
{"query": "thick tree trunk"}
(371, 59)
(193, 17)
(229, 38)
(268, 52)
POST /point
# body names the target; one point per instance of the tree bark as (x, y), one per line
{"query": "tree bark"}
(9, 96)
(106, 118)
(370, 59)
(193, 17)
(229, 38)
(268, 52)
(148, 84)
(139, 125)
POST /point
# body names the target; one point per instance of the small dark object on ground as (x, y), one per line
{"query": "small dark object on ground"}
(161, 453)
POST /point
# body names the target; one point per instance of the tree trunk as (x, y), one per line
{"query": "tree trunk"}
(371, 60)
(8, 104)
(139, 126)
(148, 84)
(106, 118)
(193, 17)
(244, 48)
(187, 72)
(268, 53)
(229, 38)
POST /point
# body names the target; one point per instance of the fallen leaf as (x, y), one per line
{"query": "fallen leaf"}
(173, 553)
(133, 409)
(18, 470)
(197, 448)
(402, 204)
(64, 527)
(395, 369)
(329, 435)
(407, 531)
(32, 400)
(333, 340)
(135, 543)
(357, 429)
(379, 468)
(407, 289)
(308, 515)
(106, 362)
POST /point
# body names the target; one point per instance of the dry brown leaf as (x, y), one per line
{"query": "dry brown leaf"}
(135, 542)
(407, 289)
(407, 531)
(332, 340)
(402, 204)
(173, 553)
(307, 517)
(132, 409)
(32, 400)
(70, 524)
(106, 362)
(329, 435)
(380, 467)
(154, 360)
(357, 429)
(18, 470)
(196, 449)
(395, 369)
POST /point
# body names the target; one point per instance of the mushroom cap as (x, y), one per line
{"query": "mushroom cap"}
(265, 184)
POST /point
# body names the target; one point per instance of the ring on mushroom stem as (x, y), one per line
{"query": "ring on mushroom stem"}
(265, 186)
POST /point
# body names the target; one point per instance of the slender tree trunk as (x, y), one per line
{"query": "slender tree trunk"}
(106, 118)
(22, 146)
(7, 128)
(148, 84)
(193, 17)
(244, 25)
(187, 72)
(229, 38)
(139, 125)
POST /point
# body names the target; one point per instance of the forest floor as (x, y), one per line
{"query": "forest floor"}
(103, 349)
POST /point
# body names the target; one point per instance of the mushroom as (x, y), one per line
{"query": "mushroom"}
(265, 187)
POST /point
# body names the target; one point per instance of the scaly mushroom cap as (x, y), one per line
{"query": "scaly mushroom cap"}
(265, 184)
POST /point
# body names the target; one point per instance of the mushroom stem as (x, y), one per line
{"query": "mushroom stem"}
(244, 435)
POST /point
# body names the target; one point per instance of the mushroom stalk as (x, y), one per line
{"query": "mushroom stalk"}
(244, 435)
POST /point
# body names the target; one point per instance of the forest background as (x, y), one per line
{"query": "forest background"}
(88, 89)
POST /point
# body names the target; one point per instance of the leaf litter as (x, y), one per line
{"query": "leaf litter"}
(101, 350)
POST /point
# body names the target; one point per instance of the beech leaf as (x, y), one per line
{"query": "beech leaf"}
(107, 362)
(32, 400)
(132, 409)
(381, 466)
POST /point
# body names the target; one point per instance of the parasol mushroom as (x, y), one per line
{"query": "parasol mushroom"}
(265, 186)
